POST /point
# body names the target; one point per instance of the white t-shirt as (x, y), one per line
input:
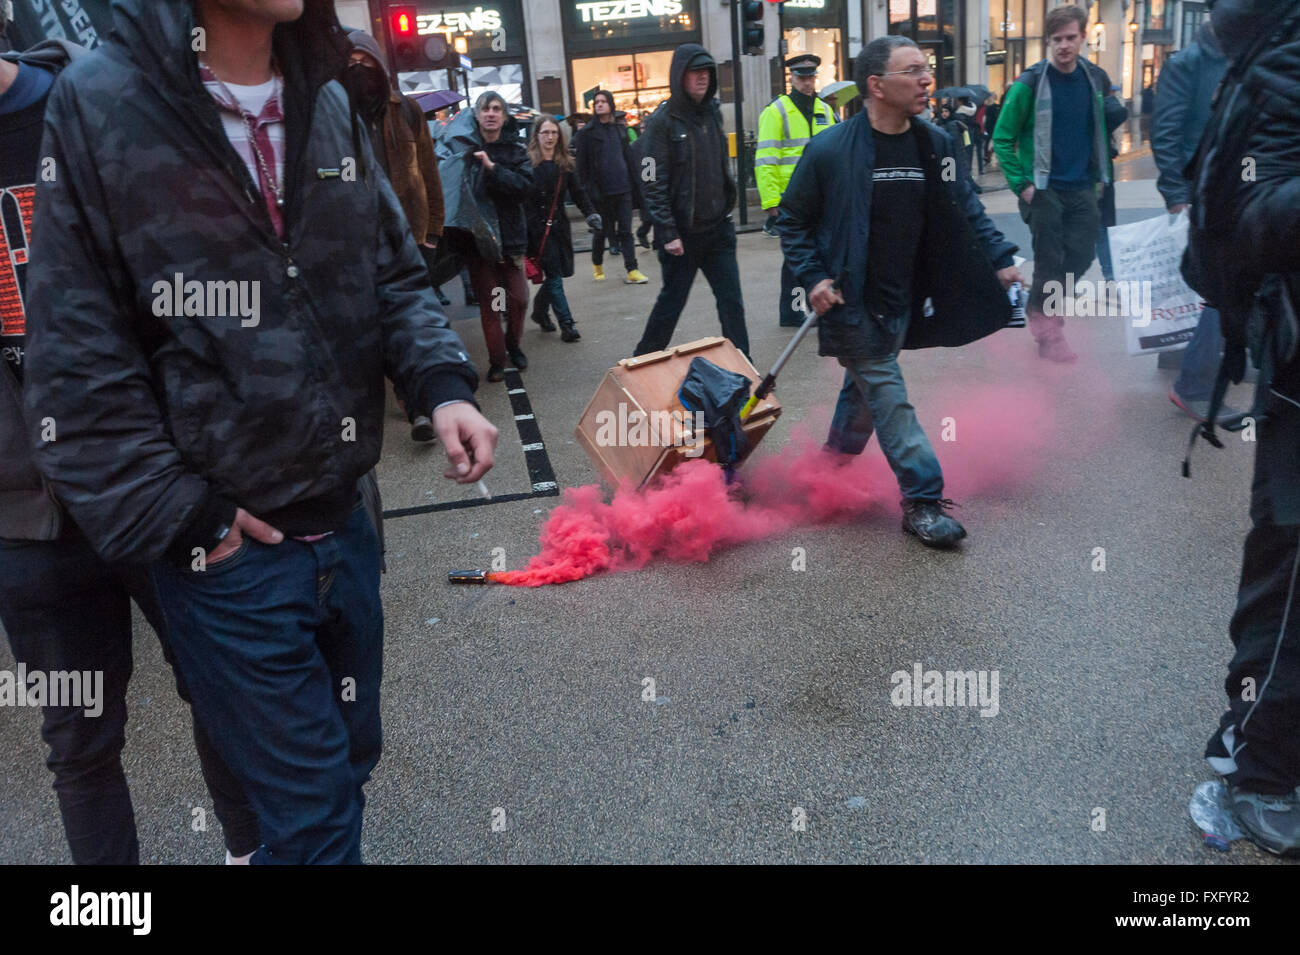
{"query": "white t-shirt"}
(253, 99)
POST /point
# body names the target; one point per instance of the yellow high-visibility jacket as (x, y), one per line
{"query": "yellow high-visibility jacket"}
(782, 134)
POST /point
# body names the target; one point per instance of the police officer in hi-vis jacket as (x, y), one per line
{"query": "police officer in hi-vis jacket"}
(784, 128)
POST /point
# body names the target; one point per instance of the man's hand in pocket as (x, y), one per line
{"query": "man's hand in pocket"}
(245, 523)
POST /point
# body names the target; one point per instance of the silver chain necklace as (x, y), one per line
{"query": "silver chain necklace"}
(274, 180)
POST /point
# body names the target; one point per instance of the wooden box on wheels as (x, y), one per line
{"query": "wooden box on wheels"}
(635, 427)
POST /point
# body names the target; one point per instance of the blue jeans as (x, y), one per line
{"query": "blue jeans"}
(282, 647)
(713, 253)
(1201, 359)
(874, 398)
(550, 295)
(64, 608)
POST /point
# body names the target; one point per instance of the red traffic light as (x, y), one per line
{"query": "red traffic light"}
(404, 22)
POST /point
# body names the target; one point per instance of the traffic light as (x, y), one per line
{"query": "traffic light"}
(751, 26)
(405, 38)
(411, 51)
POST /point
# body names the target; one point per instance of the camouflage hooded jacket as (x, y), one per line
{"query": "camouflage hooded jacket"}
(181, 358)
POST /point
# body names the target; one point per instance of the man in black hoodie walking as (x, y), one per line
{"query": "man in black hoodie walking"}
(689, 197)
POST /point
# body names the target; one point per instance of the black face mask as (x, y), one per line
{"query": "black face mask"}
(367, 86)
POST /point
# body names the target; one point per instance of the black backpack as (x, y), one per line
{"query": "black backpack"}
(1267, 326)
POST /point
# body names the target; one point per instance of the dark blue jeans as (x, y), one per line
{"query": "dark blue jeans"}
(282, 646)
(714, 254)
(65, 609)
(874, 398)
(1201, 359)
(550, 295)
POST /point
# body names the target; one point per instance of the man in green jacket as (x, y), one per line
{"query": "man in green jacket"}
(1051, 142)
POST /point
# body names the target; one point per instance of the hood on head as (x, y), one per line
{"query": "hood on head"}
(363, 41)
(682, 58)
(1238, 23)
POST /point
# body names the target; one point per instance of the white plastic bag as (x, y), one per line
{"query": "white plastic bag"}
(1148, 252)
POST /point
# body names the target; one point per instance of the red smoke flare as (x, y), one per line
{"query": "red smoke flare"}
(1003, 433)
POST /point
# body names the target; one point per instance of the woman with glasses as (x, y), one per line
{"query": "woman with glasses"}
(550, 243)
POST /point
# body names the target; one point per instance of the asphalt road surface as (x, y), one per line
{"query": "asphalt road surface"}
(517, 724)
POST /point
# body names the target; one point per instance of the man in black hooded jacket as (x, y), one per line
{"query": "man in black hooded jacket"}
(1244, 257)
(689, 197)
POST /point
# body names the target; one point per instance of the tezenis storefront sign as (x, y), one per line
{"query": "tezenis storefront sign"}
(458, 21)
(629, 24)
(604, 10)
(490, 31)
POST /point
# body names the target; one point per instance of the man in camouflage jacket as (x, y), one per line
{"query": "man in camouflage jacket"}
(206, 376)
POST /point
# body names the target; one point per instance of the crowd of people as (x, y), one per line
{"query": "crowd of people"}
(193, 391)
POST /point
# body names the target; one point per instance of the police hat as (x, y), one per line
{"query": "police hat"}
(805, 64)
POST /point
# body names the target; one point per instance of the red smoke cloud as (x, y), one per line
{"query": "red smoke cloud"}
(1003, 433)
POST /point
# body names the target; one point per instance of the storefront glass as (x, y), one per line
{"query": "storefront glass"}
(1194, 15)
(933, 25)
(816, 27)
(1015, 40)
(639, 81)
(1155, 18)
(626, 47)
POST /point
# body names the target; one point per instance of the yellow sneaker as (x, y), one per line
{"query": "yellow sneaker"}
(635, 278)
(598, 273)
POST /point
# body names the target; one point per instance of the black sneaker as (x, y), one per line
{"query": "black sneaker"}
(1271, 822)
(422, 429)
(496, 373)
(569, 331)
(543, 319)
(643, 238)
(927, 520)
(519, 359)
